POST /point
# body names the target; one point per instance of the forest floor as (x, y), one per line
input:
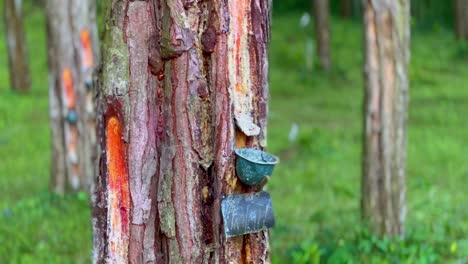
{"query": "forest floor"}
(316, 187)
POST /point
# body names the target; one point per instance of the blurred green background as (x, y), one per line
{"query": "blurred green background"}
(316, 188)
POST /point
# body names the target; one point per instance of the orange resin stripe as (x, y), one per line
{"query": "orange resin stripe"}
(67, 80)
(119, 198)
(87, 49)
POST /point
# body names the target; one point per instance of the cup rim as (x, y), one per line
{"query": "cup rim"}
(239, 154)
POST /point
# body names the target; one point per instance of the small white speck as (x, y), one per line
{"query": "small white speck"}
(293, 132)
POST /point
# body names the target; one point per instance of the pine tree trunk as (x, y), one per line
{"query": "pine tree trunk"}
(387, 36)
(181, 85)
(322, 32)
(461, 19)
(16, 42)
(346, 8)
(72, 40)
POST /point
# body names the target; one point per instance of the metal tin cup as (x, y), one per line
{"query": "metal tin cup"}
(247, 213)
(252, 165)
(72, 117)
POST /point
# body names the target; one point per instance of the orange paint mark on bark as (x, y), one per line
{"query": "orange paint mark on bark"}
(67, 81)
(87, 49)
(73, 140)
(119, 197)
(71, 137)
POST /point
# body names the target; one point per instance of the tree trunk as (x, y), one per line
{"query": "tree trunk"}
(182, 84)
(461, 19)
(322, 32)
(346, 8)
(387, 37)
(16, 42)
(72, 39)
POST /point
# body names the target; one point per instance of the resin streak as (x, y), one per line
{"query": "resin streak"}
(239, 66)
(118, 194)
(86, 49)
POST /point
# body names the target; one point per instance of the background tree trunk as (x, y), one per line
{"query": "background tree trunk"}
(461, 19)
(72, 40)
(387, 37)
(16, 42)
(176, 76)
(346, 8)
(322, 32)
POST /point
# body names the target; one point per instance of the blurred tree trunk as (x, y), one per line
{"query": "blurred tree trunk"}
(350, 8)
(175, 76)
(461, 19)
(72, 41)
(322, 32)
(16, 42)
(346, 8)
(387, 53)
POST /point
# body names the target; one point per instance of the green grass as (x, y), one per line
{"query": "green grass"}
(316, 186)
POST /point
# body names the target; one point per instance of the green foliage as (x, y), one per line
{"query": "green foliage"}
(426, 14)
(431, 14)
(363, 247)
(315, 188)
(281, 7)
(46, 228)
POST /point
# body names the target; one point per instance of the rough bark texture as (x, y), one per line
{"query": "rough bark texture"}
(72, 40)
(322, 32)
(461, 19)
(16, 43)
(186, 81)
(387, 37)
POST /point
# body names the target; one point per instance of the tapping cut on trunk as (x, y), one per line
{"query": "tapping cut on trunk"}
(118, 193)
(87, 63)
(86, 49)
(239, 67)
(70, 127)
(72, 136)
(69, 92)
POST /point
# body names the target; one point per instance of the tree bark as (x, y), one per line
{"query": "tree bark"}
(181, 85)
(461, 19)
(72, 40)
(322, 32)
(16, 42)
(387, 53)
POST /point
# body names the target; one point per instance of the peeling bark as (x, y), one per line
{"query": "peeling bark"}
(16, 42)
(188, 80)
(387, 36)
(322, 32)
(72, 40)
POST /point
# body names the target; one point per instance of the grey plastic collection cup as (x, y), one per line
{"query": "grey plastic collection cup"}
(252, 165)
